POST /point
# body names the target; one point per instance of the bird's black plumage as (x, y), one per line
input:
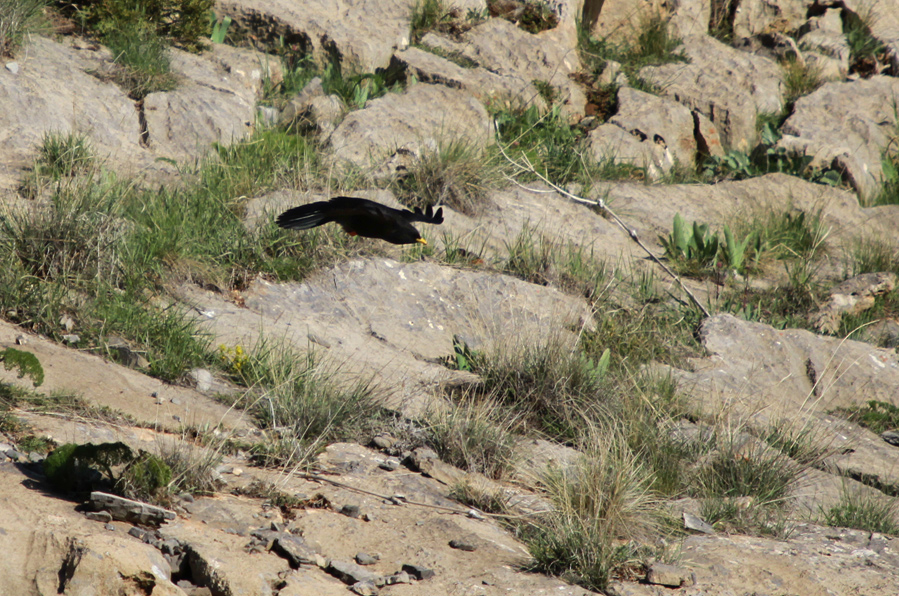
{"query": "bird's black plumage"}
(361, 217)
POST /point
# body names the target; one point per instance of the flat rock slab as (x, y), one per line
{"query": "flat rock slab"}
(364, 33)
(792, 369)
(846, 125)
(795, 375)
(480, 82)
(415, 121)
(42, 534)
(507, 50)
(393, 322)
(213, 103)
(33, 102)
(123, 509)
(104, 383)
(816, 561)
(651, 209)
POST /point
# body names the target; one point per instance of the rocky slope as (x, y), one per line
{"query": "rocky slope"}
(376, 519)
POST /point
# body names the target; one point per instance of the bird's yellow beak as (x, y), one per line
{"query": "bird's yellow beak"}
(421, 241)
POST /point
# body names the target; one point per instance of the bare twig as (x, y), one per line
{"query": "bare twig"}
(525, 165)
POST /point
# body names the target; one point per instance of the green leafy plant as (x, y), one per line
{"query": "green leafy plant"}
(695, 248)
(69, 466)
(183, 22)
(84, 467)
(219, 28)
(25, 363)
(737, 251)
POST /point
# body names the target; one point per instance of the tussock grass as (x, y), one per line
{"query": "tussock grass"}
(457, 173)
(18, 19)
(744, 485)
(301, 404)
(476, 435)
(800, 79)
(864, 511)
(870, 255)
(650, 44)
(142, 58)
(192, 466)
(604, 514)
(554, 387)
(485, 498)
(64, 154)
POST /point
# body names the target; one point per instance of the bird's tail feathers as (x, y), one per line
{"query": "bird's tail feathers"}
(428, 216)
(304, 216)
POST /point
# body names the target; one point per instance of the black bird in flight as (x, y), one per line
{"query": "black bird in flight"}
(361, 217)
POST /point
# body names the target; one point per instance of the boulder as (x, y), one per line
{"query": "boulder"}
(729, 87)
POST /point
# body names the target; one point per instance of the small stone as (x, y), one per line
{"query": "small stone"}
(390, 464)
(691, 522)
(366, 559)
(267, 115)
(320, 561)
(35, 457)
(12, 67)
(21, 340)
(350, 573)
(383, 441)
(399, 578)
(71, 338)
(67, 322)
(366, 588)
(463, 544)
(351, 511)
(99, 516)
(475, 514)
(137, 533)
(110, 527)
(201, 379)
(418, 572)
(176, 401)
(14, 455)
(236, 471)
(154, 394)
(891, 437)
(672, 576)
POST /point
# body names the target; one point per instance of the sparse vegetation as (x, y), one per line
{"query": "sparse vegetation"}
(863, 511)
(474, 434)
(721, 19)
(865, 50)
(64, 155)
(744, 485)
(652, 44)
(877, 416)
(800, 79)
(18, 19)
(767, 158)
(533, 16)
(142, 59)
(457, 173)
(301, 404)
(604, 515)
